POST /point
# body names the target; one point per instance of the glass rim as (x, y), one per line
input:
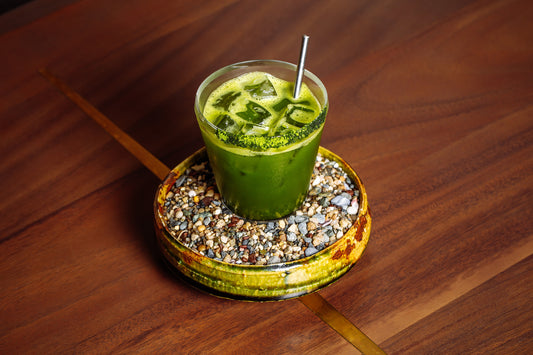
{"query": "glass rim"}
(258, 62)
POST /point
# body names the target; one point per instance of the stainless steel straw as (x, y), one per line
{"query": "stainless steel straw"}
(300, 69)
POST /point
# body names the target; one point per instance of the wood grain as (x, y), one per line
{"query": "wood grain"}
(431, 103)
(316, 303)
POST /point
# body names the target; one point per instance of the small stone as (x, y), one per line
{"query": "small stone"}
(183, 225)
(198, 167)
(311, 226)
(192, 193)
(344, 223)
(206, 201)
(291, 237)
(201, 228)
(320, 217)
(274, 259)
(352, 210)
(320, 238)
(302, 227)
(293, 228)
(310, 251)
(340, 201)
(180, 180)
(300, 219)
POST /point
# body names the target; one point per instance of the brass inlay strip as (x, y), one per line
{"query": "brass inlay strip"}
(138, 151)
(325, 311)
(314, 301)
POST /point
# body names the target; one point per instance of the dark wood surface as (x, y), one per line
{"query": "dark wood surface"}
(431, 104)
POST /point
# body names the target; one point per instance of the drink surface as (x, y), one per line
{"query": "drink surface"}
(258, 104)
(264, 146)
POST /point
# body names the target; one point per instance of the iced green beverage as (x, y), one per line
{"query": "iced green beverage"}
(261, 141)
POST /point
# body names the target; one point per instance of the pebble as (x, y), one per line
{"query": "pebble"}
(291, 237)
(274, 260)
(293, 228)
(320, 218)
(198, 219)
(352, 210)
(302, 227)
(310, 251)
(340, 201)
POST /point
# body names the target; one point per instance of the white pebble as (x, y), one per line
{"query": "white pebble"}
(293, 228)
(192, 193)
(352, 209)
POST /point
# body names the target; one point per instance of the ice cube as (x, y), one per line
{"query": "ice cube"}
(254, 113)
(263, 90)
(254, 130)
(298, 116)
(281, 105)
(226, 100)
(226, 123)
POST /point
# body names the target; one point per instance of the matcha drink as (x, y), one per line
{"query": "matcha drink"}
(261, 142)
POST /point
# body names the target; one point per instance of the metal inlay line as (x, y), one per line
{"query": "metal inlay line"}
(138, 151)
(314, 301)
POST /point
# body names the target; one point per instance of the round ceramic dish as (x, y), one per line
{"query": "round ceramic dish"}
(263, 282)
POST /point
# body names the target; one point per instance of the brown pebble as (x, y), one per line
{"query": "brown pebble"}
(207, 200)
(252, 258)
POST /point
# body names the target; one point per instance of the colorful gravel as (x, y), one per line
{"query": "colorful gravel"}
(196, 216)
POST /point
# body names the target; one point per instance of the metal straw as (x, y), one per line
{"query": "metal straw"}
(300, 70)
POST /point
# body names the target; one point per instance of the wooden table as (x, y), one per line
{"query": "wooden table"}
(431, 104)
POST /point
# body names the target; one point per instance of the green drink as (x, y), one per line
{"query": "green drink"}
(261, 142)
